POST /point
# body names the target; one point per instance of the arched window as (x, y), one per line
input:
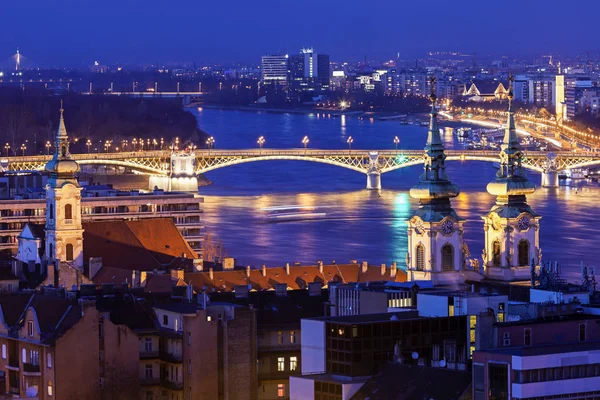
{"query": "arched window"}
(523, 253)
(420, 257)
(69, 251)
(496, 261)
(68, 211)
(447, 257)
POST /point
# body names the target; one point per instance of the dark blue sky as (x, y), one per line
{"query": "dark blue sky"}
(76, 32)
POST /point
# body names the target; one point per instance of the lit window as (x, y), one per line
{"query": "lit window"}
(49, 360)
(23, 356)
(4, 352)
(293, 363)
(279, 337)
(280, 390)
(280, 364)
(30, 328)
(293, 337)
(50, 391)
(420, 257)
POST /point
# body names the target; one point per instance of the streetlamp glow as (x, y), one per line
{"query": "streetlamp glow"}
(48, 145)
(305, 142)
(349, 141)
(210, 143)
(7, 148)
(396, 142)
(261, 142)
(23, 148)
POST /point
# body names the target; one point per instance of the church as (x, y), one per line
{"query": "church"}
(436, 249)
(54, 254)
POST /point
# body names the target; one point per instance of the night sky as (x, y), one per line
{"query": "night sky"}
(77, 32)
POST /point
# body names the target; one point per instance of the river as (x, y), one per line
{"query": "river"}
(361, 224)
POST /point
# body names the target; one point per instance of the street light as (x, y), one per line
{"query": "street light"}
(261, 141)
(88, 144)
(48, 145)
(305, 142)
(210, 143)
(134, 143)
(396, 142)
(23, 148)
(349, 141)
(162, 143)
(7, 148)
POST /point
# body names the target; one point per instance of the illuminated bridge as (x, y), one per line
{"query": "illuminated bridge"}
(373, 163)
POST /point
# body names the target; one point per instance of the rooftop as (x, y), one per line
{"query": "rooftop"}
(546, 349)
(369, 318)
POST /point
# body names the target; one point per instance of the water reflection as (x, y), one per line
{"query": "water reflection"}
(361, 224)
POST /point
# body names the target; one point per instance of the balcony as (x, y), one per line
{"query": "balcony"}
(31, 369)
(169, 384)
(149, 381)
(148, 355)
(170, 357)
(267, 347)
(13, 363)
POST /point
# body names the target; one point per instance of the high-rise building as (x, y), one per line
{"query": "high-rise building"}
(309, 71)
(275, 69)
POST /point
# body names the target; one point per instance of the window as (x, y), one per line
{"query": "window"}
(447, 257)
(189, 366)
(101, 328)
(293, 337)
(50, 391)
(582, 332)
(472, 324)
(189, 338)
(498, 381)
(23, 356)
(49, 360)
(523, 253)
(420, 257)
(68, 211)
(4, 352)
(280, 364)
(293, 363)
(281, 390)
(34, 357)
(50, 250)
(148, 371)
(527, 337)
(496, 261)
(148, 344)
(51, 208)
(279, 337)
(165, 320)
(506, 339)
(69, 251)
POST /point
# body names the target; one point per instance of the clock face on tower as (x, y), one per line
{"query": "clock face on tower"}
(447, 227)
(523, 223)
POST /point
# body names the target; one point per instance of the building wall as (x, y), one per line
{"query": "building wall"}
(119, 360)
(77, 374)
(302, 388)
(313, 346)
(548, 332)
(200, 373)
(240, 360)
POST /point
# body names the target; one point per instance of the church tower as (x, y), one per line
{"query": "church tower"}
(64, 234)
(511, 227)
(436, 250)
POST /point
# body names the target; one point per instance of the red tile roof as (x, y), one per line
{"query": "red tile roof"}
(142, 245)
(298, 277)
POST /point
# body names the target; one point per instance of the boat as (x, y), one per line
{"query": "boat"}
(464, 132)
(424, 123)
(293, 213)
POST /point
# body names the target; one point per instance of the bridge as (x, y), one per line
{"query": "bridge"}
(373, 163)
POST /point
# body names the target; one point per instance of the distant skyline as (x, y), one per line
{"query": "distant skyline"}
(75, 33)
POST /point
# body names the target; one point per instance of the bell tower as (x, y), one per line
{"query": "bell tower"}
(64, 234)
(436, 250)
(511, 227)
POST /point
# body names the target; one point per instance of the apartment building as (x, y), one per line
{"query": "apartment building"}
(103, 203)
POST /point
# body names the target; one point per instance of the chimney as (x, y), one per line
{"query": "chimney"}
(365, 267)
(287, 268)
(393, 270)
(321, 267)
(210, 274)
(248, 271)
(383, 269)
(264, 270)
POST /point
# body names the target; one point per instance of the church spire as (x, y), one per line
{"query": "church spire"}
(434, 189)
(61, 165)
(62, 139)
